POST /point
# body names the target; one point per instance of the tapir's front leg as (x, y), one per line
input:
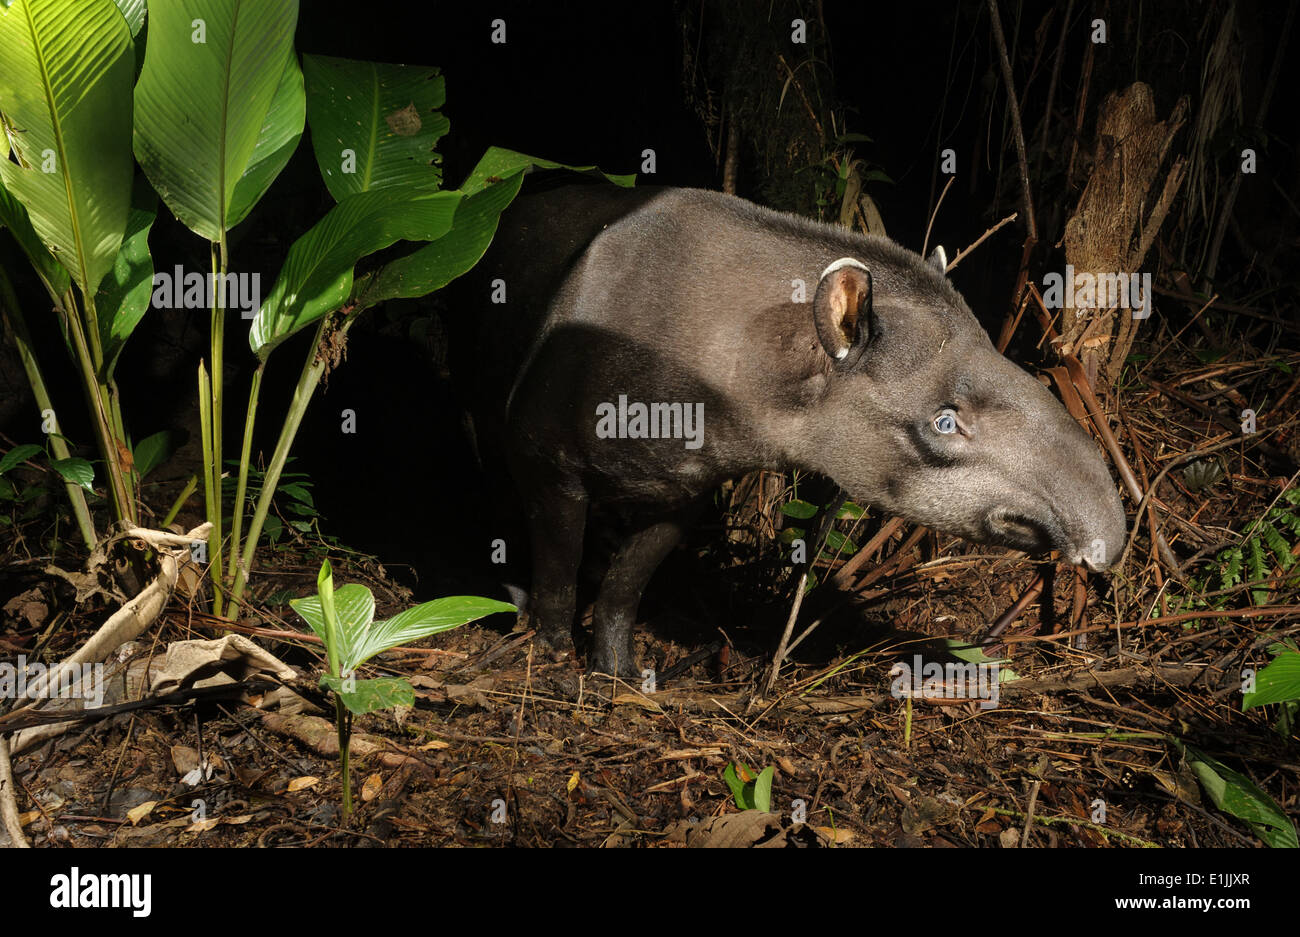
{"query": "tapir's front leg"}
(557, 521)
(620, 591)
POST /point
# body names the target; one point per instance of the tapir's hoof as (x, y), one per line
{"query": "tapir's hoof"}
(609, 665)
(555, 645)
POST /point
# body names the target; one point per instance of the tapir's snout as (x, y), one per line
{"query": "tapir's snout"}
(1079, 515)
(1093, 537)
(1101, 534)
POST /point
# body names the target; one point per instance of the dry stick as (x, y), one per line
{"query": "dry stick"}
(1255, 611)
(8, 800)
(1173, 463)
(1014, 108)
(1029, 812)
(925, 244)
(896, 564)
(1051, 87)
(1080, 381)
(1098, 415)
(823, 531)
(1006, 618)
(1031, 226)
(978, 241)
(1169, 344)
(843, 577)
(1081, 108)
(1281, 400)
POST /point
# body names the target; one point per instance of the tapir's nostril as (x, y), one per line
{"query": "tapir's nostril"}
(1020, 532)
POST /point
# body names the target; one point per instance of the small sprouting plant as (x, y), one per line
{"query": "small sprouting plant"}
(749, 790)
(344, 621)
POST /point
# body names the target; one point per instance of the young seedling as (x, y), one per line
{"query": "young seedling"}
(344, 621)
(750, 791)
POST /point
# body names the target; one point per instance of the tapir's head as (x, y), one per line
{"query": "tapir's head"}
(925, 419)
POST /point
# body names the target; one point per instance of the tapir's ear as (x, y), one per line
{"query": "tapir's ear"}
(842, 310)
(938, 259)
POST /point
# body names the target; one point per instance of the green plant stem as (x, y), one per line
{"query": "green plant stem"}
(110, 407)
(343, 718)
(181, 499)
(241, 486)
(312, 369)
(99, 411)
(17, 327)
(211, 495)
(212, 456)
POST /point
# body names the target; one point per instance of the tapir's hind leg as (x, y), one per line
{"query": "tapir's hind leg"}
(620, 591)
(557, 521)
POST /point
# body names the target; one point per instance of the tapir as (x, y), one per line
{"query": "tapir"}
(637, 347)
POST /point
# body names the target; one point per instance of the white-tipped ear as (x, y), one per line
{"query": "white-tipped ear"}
(938, 259)
(842, 310)
(842, 262)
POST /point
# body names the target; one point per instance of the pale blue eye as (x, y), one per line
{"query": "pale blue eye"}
(945, 422)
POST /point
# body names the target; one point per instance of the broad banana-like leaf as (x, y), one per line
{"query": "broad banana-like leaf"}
(385, 118)
(212, 72)
(434, 265)
(317, 275)
(14, 217)
(65, 97)
(124, 293)
(134, 11)
(489, 189)
(281, 131)
(498, 163)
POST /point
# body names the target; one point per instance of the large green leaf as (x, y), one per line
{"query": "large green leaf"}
(434, 265)
(489, 189)
(317, 274)
(65, 95)
(1239, 796)
(202, 101)
(367, 696)
(124, 293)
(420, 622)
(497, 164)
(281, 131)
(14, 217)
(385, 115)
(1279, 682)
(354, 605)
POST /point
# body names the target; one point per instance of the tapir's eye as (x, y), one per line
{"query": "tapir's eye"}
(945, 422)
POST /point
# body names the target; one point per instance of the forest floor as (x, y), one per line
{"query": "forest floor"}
(1118, 719)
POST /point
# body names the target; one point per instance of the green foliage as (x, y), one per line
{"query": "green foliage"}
(1278, 683)
(22, 501)
(1239, 796)
(344, 621)
(70, 113)
(1267, 542)
(386, 115)
(77, 471)
(216, 120)
(837, 544)
(291, 500)
(748, 790)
